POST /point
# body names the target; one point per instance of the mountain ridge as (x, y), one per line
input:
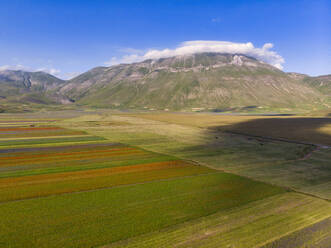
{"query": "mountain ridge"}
(203, 81)
(209, 81)
(18, 89)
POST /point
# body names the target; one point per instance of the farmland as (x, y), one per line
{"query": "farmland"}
(206, 139)
(121, 180)
(28, 172)
(278, 215)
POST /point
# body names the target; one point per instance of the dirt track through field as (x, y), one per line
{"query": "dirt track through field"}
(317, 147)
(277, 139)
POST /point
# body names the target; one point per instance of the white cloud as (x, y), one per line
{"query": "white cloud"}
(13, 67)
(17, 67)
(199, 46)
(51, 71)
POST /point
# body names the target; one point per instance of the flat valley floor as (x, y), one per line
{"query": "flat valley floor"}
(112, 179)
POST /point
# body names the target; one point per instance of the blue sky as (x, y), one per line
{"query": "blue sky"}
(70, 37)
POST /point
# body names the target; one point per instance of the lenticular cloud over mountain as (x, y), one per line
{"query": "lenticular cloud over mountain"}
(199, 46)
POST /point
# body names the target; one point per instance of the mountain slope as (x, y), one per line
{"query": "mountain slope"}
(321, 83)
(18, 88)
(193, 82)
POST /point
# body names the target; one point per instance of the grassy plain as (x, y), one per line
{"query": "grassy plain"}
(98, 217)
(121, 181)
(245, 226)
(301, 167)
(68, 182)
(314, 236)
(305, 129)
(28, 172)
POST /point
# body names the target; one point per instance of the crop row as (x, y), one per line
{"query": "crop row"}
(39, 133)
(68, 159)
(47, 141)
(99, 217)
(63, 154)
(50, 184)
(90, 173)
(55, 149)
(63, 166)
(23, 129)
(250, 225)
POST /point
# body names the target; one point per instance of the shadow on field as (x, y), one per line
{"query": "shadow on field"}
(305, 130)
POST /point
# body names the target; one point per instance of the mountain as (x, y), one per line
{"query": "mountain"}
(29, 80)
(197, 82)
(20, 88)
(205, 81)
(321, 83)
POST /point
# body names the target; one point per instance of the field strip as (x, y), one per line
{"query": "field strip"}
(297, 190)
(120, 185)
(24, 129)
(54, 149)
(9, 119)
(94, 218)
(28, 143)
(57, 144)
(77, 157)
(309, 237)
(250, 225)
(132, 159)
(290, 188)
(71, 185)
(27, 157)
(90, 173)
(47, 137)
(27, 123)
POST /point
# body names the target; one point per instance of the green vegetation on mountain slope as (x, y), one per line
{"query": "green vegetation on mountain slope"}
(21, 91)
(210, 82)
(197, 82)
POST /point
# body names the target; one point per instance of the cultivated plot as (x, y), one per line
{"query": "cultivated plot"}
(78, 189)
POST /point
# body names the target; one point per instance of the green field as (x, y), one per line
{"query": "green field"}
(99, 217)
(316, 235)
(249, 225)
(298, 166)
(110, 180)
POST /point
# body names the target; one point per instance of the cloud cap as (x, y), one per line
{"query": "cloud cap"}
(264, 54)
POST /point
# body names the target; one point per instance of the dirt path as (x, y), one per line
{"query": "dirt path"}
(309, 154)
(317, 147)
(279, 139)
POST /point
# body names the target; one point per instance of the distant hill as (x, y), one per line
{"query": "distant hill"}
(321, 83)
(205, 81)
(19, 88)
(38, 81)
